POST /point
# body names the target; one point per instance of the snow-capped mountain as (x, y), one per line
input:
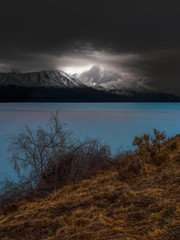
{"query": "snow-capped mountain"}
(56, 78)
(137, 93)
(117, 87)
(58, 86)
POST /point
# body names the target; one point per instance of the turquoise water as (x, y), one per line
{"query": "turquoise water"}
(113, 123)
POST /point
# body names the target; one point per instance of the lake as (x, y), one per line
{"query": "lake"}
(114, 123)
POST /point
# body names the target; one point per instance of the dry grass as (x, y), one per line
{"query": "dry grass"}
(145, 206)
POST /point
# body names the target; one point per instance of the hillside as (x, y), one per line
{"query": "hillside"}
(145, 205)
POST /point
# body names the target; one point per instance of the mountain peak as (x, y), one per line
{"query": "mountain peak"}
(46, 78)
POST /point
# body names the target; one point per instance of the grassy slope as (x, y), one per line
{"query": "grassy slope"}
(146, 206)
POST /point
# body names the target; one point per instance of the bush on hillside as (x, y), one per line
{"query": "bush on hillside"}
(49, 158)
(150, 150)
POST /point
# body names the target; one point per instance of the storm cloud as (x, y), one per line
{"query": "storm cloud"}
(96, 75)
(132, 41)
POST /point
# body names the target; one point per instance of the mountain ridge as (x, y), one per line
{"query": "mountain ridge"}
(46, 78)
(58, 86)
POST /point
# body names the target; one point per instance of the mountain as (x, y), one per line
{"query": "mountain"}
(58, 86)
(136, 93)
(55, 78)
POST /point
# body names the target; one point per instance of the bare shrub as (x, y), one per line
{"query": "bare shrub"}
(33, 150)
(49, 158)
(11, 192)
(84, 160)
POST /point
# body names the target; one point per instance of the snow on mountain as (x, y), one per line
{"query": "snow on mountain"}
(56, 84)
(114, 88)
(56, 78)
(120, 88)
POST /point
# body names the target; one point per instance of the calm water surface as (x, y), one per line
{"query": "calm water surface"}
(113, 123)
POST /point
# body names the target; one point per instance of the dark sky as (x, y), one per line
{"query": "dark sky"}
(134, 42)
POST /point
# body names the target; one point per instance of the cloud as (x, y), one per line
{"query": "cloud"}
(157, 70)
(53, 27)
(112, 80)
(135, 41)
(162, 68)
(29, 62)
(97, 75)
